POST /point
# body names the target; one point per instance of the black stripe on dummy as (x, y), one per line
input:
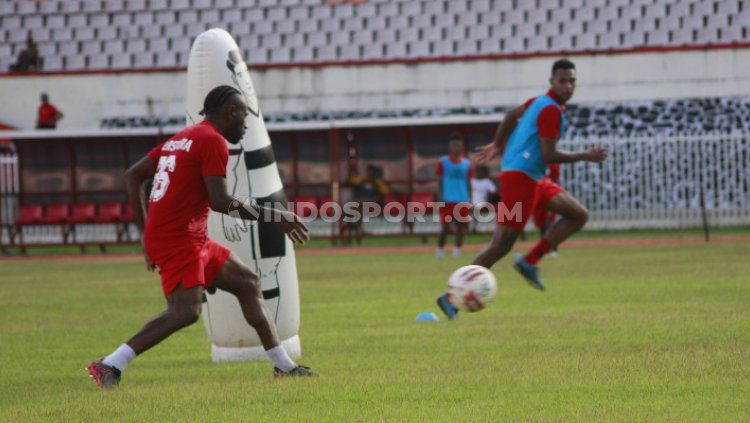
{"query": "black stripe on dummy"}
(271, 293)
(271, 240)
(257, 159)
(268, 294)
(235, 152)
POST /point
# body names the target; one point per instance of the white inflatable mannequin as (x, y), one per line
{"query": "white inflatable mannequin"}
(215, 60)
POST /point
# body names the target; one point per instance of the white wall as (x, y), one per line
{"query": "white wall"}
(85, 99)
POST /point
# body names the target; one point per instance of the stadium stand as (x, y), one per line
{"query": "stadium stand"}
(726, 115)
(127, 34)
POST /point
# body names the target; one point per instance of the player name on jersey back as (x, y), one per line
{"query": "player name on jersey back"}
(175, 145)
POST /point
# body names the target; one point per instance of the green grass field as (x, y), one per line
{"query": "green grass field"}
(650, 333)
(389, 241)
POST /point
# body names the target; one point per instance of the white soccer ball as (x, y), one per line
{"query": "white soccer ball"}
(471, 288)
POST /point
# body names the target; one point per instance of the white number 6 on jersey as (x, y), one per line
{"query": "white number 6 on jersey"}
(161, 178)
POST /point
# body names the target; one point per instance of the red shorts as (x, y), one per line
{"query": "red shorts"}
(461, 211)
(191, 268)
(520, 196)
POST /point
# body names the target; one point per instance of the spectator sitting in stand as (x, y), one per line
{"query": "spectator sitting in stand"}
(28, 58)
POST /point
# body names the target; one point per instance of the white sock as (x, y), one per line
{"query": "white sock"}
(120, 358)
(439, 252)
(281, 359)
(456, 251)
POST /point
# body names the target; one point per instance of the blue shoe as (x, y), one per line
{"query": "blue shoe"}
(451, 312)
(528, 271)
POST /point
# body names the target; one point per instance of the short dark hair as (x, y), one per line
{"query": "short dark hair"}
(217, 97)
(562, 64)
(455, 136)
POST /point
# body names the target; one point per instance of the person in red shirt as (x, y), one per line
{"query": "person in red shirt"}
(527, 141)
(188, 172)
(47, 115)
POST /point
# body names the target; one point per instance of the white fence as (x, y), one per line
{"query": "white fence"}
(9, 185)
(664, 182)
(669, 182)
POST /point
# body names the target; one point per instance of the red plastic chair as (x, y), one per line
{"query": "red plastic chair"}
(391, 198)
(327, 207)
(422, 197)
(127, 215)
(83, 213)
(109, 213)
(395, 198)
(29, 214)
(56, 213)
(304, 204)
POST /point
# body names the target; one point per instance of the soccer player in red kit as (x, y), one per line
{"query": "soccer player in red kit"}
(527, 140)
(188, 174)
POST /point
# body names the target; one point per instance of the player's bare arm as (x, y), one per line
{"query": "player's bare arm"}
(440, 188)
(221, 201)
(486, 152)
(468, 188)
(135, 176)
(550, 153)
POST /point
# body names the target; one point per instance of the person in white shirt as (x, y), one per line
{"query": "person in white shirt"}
(482, 185)
(482, 188)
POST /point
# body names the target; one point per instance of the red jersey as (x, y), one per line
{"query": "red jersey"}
(548, 121)
(46, 115)
(553, 172)
(178, 205)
